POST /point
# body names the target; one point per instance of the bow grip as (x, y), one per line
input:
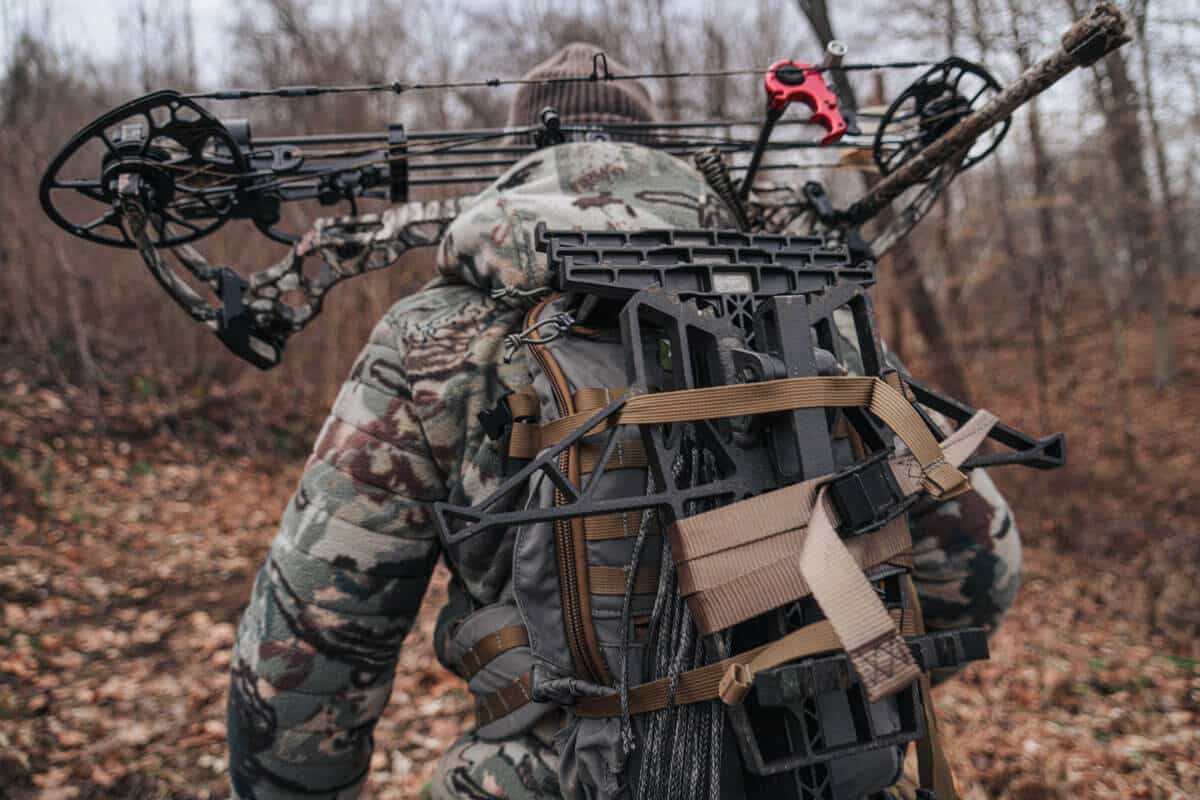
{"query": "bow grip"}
(788, 81)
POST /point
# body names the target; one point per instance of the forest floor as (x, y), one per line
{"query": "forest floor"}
(128, 543)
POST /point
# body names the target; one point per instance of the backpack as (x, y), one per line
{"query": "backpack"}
(711, 564)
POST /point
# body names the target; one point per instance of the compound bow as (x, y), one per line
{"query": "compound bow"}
(166, 173)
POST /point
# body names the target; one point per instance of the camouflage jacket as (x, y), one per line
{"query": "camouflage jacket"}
(345, 576)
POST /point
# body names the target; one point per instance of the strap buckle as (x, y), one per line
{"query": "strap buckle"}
(865, 497)
(496, 420)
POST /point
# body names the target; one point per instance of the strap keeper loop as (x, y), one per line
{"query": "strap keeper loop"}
(735, 684)
(944, 481)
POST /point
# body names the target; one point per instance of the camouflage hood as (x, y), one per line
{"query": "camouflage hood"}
(582, 185)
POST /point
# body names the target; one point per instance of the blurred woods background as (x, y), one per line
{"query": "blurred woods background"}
(1078, 229)
(1056, 284)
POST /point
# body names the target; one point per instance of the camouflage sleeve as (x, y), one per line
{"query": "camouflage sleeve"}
(341, 586)
(966, 552)
(967, 558)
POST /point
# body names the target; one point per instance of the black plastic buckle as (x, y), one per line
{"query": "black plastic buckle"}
(811, 677)
(866, 496)
(496, 421)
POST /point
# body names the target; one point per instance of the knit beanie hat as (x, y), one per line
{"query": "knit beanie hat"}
(581, 102)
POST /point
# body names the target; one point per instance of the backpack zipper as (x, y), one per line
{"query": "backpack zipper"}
(580, 635)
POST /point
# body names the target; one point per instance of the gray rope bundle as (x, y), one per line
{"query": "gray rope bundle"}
(681, 756)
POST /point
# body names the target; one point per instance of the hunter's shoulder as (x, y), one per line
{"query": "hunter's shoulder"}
(440, 338)
(425, 317)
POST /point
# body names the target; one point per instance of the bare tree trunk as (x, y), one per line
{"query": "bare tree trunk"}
(1008, 239)
(1176, 238)
(906, 267)
(189, 37)
(1119, 104)
(1116, 331)
(671, 88)
(1050, 282)
(1189, 163)
(950, 265)
(1045, 293)
(1127, 153)
(143, 23)
(717, 55)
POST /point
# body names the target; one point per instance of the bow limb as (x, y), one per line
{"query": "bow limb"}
(348, 247)
(1088, 40)
(904, 220)
(251, 316)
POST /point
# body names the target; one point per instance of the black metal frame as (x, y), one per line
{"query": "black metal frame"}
(781, 324)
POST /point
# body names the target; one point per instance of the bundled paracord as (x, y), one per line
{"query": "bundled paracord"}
(681, 754)
(628, 742)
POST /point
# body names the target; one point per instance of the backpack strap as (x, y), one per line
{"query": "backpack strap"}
(738, 561)
(505, 700)
(726, 534)
(490, 648)
(730, 679)
(932, 472)
(933, 767)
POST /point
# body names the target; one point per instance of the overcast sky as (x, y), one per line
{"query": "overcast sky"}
(94, 26)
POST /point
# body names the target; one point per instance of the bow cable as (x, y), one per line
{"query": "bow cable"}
(599, 72)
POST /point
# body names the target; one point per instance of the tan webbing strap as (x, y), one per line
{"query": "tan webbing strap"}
(742, 523)
(707, 574)
(897, 382)
(695, 685)
(524, 403)
(786, 394)
(959, 445)
(613, 526)
(527, 439)
(704, 683)
(628, 454)
(866, 630)
(593, 399)
(780, 580)
(939, 478)
(505, 700)
(841, 391)
(956, 448)
(932, 765)
(739, 677)
(490, 647)
(524, 440)
(611, 580)
(892, 378)
(763, 516)
(739, 560)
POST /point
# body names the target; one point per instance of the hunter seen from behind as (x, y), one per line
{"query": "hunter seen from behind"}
(1027, 242)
